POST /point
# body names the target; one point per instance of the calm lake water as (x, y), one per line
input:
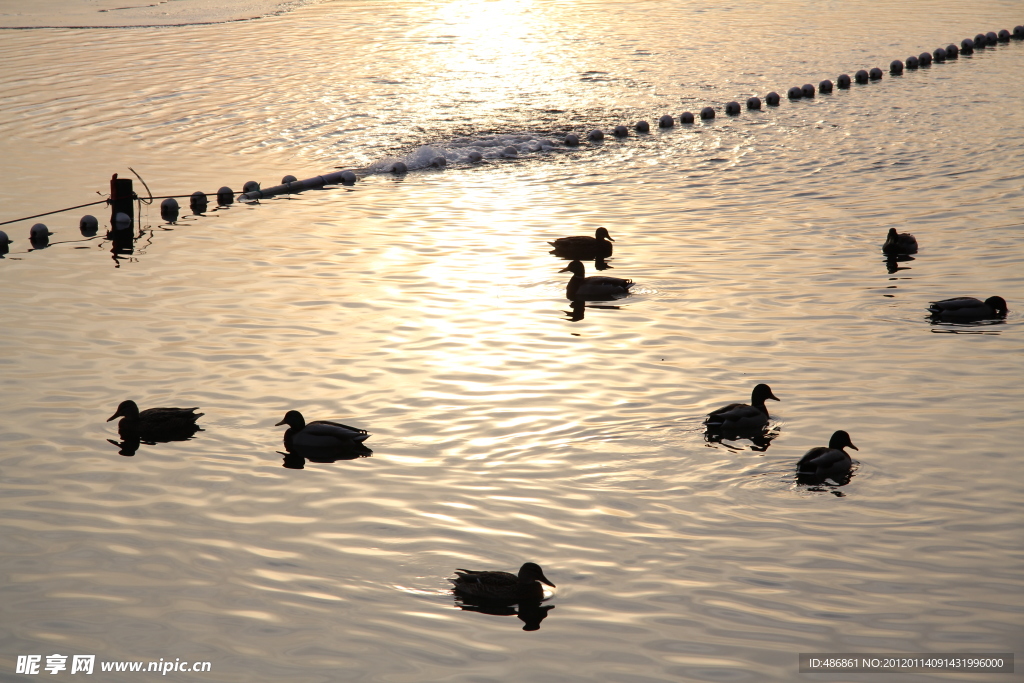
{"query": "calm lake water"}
(507, 426)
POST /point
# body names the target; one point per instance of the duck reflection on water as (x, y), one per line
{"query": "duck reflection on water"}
(530, 612)
(296, 459)
(758, 442)
(892, 262)
(579, 310)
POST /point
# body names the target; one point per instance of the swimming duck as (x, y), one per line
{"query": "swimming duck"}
(899, 243)
(320, 434)
(156, 424)
(968, 309)
(584, 248)
(832, 461)
(494, 585)
(740, 417)
(595, 287)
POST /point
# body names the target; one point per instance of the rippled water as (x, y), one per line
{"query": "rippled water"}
(507, 426)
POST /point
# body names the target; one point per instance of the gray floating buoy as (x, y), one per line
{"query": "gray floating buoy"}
(807, 89)
(510, 151)
(753, 103)
(88, 225)
(474, 156)
(666, 121)
(399, 167)
(642, 127)
(707, 113)
(940, 54)
(825, 86)
(288, 179)
(732, 108)
(225, 196)
(772, 99)
(795, 93)
(686, 117)
(437, 162)
(1004, 36)
(980, 41)
(4, 242)
(896, 67)
(952, 52)
(925, 58)
(967, 46)
(198, 202)
(349, 178)
(250, 186)
(991, 37)
(875, 73)
(913, 62)
(169, 209)
(843, 81)
(122, 221)
(39, 235)
(572, 140)
(621, 131)
(861, 76)
(596, 135)
(1018, 32)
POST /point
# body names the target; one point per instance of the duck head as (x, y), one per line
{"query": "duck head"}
(293, 419)
(574, 267)
(602, 234)
(128, 409)
(531, 572)
(761, 393)
(997, 304)
(841, 440)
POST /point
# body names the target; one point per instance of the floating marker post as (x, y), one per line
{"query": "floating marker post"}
(121, 198)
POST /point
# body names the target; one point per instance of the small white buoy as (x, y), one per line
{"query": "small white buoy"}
(437, 162)
(875, 73)
(122, 221)
(4, 242)
(686, 117)
(896, 67)
(843, 81)
(707, 113)
(250, 186)
(572, 140)
(939, 55)
(753, 103)
(807, 89)
(643, 127)
(666, 121)
(474, 156)
(772, 99)
(621, 131)
(88, 225)
(967, 46)
(913, 62)
(225, 196)
(399, 167)
(596, 135)
(510, 151)
(795, 93)
(169, 209)
(732, 108)
(39, 235)
(349, 178)
(825, 86)
(288, 179)
(198, 202)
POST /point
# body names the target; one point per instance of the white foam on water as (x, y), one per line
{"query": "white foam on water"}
(458, 151)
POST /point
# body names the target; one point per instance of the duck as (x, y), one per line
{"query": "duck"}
(595, 287)
(156, 424)
(823, 462)
(899, 243)
(502, 586)
(319, 434)
(968, 309)
(583, 247)
(740, 417)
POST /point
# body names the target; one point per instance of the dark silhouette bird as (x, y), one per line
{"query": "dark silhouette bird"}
(584, 248)
(320, 435)
(823, 462)
(899, 243)
(502, 586)
(595, 287)
(741, 418)
(968, 309)
(155, 424)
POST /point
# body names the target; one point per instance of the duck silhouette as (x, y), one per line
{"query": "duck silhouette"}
(593, 288)
(583, 247)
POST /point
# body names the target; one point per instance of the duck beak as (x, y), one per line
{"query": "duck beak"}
(280, 423)
(564, 270)
(854, 447)
(117, 414)
(544, 579)
(774, 397)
